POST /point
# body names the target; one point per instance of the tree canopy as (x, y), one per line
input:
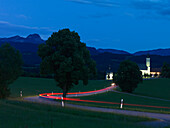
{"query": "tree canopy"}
(10, 68)
(165, 72)
(65, 56)
(128, 76)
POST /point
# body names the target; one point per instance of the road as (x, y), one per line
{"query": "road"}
(163, 119)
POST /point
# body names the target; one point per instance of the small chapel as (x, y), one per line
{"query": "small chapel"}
(109, 74)
(148, 71)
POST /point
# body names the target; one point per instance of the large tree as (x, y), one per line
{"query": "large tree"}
(128, 76)
(10, 68)
(165, 72)
(67, 58)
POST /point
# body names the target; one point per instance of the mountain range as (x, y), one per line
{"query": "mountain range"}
(31, 41)
(32, 38)
(104, 58)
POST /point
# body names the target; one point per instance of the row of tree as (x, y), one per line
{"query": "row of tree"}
(10, 68)
(165, 70)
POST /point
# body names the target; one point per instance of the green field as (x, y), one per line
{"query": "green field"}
(19, 114)
(34, 86)
(129, 99)
(159, 88)
(155, 88)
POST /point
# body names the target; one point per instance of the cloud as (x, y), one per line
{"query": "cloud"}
(8, 29)
(3, 14)
(129, 14)
(165, 12)
(81, 1)
(97, 15)
(103, 3)
(158, 7)
(148, 4)
(21, 16)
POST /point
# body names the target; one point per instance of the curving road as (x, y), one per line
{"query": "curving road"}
(163, 119)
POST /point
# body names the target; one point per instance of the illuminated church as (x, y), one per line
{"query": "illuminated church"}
(148, 68)
(150, 72)
(154, 72)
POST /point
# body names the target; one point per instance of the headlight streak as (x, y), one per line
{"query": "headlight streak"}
(58, 97)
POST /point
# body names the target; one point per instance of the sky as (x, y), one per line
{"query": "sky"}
(130, 25)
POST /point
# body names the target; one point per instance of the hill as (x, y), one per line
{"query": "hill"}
(161, 52)
(114, 51)
(31, 42)
(32, 38)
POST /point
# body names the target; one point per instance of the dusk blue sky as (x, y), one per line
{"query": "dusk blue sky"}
(130, 25)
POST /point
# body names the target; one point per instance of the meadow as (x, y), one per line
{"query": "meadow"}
(128, 99)
(34, 86)
(17, 113)
(159, 88)
(21, 114)
(155, 88)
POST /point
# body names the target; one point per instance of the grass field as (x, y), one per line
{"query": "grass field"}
(34, 86)
(158, 87)
(19, 114)
(155, 88)
(129, 99)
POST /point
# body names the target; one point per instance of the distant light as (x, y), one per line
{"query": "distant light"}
(113, 84)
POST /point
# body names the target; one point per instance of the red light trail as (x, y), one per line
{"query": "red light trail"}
(52, 96)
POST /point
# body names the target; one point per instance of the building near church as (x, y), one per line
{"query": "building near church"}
(109, 74)
(146, 70)
(152, 72)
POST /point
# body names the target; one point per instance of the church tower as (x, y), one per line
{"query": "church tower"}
(148, 65)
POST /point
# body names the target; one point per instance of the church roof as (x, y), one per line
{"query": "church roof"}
(155, 69)
(142, 66)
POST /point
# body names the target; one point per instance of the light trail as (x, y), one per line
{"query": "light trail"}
(52, 96)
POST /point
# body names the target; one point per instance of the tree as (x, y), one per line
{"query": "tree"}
(128, 76)
(165, 72)
(67, 58)
(10, 68)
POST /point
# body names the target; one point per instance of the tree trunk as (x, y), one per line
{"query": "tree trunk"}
(64, 91)
(65, 88)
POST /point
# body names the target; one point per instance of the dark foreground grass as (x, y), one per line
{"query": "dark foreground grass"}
(159, 88)
(129, 99)
(34, 86)
(19, 114)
